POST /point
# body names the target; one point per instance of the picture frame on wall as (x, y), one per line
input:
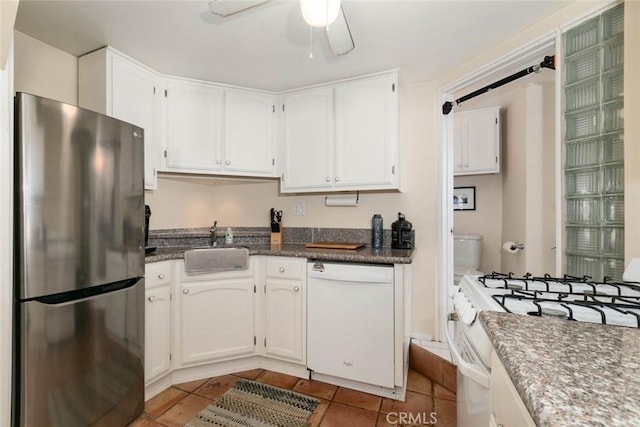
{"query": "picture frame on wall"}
(464, 198)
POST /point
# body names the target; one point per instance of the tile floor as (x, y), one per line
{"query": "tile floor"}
(339, 406)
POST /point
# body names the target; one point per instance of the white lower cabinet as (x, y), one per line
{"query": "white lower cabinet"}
(216, 316)
(285, 308)
(507, 408)
(157, 355)
(205, 325)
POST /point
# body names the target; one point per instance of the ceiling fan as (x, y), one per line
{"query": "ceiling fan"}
(327, 14)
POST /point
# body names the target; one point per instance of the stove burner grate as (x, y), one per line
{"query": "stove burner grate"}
(550, 307)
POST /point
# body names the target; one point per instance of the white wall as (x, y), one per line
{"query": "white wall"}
(45, 71)
(486, 220)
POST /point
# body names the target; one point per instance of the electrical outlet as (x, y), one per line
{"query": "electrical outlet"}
(298, 209)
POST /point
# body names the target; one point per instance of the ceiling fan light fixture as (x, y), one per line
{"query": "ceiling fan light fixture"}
(320, 13)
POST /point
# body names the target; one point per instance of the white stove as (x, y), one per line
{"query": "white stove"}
(570, 298)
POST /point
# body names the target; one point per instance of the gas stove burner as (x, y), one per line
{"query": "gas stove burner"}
(553, 313)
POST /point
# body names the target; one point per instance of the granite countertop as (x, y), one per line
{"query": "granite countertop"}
(570, 373)
(364, 255)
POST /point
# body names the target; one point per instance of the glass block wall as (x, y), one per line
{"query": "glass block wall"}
(593, 146)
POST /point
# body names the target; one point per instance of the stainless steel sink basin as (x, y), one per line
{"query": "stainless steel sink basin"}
(211, 260)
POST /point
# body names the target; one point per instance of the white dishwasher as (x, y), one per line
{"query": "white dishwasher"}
(350, 322)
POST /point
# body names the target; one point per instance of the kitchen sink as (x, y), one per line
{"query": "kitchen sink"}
(211, 260)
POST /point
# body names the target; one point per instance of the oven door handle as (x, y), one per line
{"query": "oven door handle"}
(470, 370)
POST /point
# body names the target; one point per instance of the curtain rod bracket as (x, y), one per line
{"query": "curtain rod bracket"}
(447, 107)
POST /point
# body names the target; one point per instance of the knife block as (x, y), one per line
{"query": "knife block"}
(276, 237)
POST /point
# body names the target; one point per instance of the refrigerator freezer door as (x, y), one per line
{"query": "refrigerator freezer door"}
(79, 198)
(82, 361)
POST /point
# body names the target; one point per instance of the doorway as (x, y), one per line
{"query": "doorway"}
(493, 189)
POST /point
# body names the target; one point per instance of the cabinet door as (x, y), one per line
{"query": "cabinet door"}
(284, 319)
(157, 348)
(507, 407)
(248, 141)
(366, 133)
(133, 100)
(216, 320)
(194, 126)
(308, 130)
(478, 135)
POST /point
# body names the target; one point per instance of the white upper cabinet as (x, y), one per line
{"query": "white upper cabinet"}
(342, 137)
(217, 130)
(248, 133)
(194, 126)
(113, 84)
(308, 129)
(366, 133)
(476, 137)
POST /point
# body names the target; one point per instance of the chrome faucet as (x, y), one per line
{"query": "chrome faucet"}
(214, 231)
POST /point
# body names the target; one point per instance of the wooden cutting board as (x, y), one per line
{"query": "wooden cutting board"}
(335, 245)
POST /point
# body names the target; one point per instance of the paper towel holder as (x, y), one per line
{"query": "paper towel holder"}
(342, 200)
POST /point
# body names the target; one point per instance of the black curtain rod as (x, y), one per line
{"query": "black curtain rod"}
(548, 62)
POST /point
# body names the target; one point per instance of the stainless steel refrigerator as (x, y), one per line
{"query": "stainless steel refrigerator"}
(79, 267)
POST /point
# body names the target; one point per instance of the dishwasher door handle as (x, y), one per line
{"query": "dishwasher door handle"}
(372, 279)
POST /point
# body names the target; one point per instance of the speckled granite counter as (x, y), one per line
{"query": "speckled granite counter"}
(172, 243)
(366, 254)
(570, 373)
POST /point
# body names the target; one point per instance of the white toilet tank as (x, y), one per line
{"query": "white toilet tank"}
(467, 251)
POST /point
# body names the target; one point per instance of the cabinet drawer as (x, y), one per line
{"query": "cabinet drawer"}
(286, 268)
(158, 273)
(232, 274)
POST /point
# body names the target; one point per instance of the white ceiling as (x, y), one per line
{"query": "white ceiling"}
(268, 47)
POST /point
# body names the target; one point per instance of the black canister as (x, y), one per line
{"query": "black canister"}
(401, 233)
(376, 231)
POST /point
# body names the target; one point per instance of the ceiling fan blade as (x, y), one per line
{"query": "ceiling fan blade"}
(226, 8)
(339, 35)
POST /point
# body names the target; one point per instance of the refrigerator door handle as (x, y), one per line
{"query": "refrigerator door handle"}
(80, 294)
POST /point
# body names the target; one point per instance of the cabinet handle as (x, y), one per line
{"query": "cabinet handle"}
(347, 363)
(185, 291)
(160, 276)
(327, 179)
(337, 179)
(296, 289)
(218, 162)
(227, 162)
(281, 270)
(151, 298)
